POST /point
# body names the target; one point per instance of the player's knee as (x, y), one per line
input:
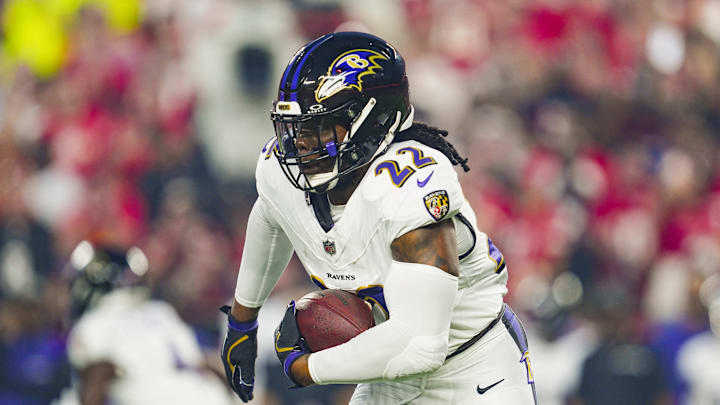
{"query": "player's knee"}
(422, 354)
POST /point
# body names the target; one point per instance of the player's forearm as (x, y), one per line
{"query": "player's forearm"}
(95, 383)
(242, 313)
(92, 396)
(301, 372)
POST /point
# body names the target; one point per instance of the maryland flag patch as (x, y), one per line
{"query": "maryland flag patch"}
(437, 204)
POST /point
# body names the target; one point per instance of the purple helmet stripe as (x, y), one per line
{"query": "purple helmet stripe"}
(293, 85)
(285, 74)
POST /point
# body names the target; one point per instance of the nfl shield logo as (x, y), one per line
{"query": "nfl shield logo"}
(329, 247)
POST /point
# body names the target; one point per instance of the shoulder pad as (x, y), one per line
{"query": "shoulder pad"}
(90, 340)
(415, 185)
(269, 148)
(268, 173)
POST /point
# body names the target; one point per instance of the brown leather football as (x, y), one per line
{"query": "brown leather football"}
(327, 318)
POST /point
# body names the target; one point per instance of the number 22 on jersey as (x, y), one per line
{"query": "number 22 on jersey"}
(399, 176)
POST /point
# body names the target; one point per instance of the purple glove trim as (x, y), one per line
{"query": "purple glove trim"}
(289, 361)
(242, 326)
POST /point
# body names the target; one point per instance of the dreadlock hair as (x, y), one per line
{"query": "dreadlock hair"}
(434, 138)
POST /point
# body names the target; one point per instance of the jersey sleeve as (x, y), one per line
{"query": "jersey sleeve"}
(432, 196)
(267, 172)
(267, 249)
(266, 253)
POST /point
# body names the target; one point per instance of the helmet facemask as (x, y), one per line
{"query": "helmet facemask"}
(309, 145)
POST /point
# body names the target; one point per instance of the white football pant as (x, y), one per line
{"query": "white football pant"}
(495, 370)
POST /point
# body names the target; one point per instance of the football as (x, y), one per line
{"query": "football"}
(327, 318)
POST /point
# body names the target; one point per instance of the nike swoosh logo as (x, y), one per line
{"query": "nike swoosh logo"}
(424, 182)
(484, 390)
(277, 348)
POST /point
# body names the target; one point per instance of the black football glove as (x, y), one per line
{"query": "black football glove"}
(289, 344)
(238, 355)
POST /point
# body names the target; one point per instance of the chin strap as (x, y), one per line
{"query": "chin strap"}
(390, 136)
(408, 121)
(314, 180)
(363, 115)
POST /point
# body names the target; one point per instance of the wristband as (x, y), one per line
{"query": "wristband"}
(241, 326)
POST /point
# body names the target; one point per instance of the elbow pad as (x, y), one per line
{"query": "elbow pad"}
(422, 354)
(414, 340)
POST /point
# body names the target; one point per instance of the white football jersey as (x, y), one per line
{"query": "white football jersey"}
(157, 357)
(409, 186)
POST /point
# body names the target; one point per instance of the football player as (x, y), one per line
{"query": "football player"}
(370, 202)
(126, 348)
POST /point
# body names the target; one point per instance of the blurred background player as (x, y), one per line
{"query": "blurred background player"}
(622, 368)
(561, 338)
(126, 348)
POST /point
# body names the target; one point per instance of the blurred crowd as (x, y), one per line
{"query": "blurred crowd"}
(592, 129)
